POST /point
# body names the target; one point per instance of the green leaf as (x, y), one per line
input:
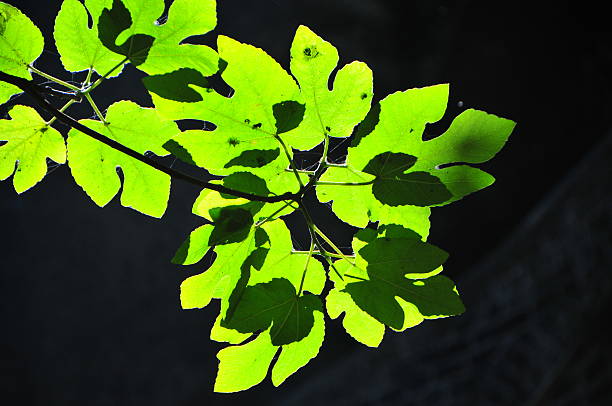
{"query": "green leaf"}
(390, 137)
(282, 262)
(21, 43)
(246, 121)
(295, 355)
(220, 280)
(394, 187)
(277, 303)
(244, 366)
(115, 20)
(165, 51)
(473, 137)
(30, 141)
(359, 324)
(78, 45)
(210, 202)
(193, 249)
(400, 265)
(357, 205)
(94, 164)
(328, 112)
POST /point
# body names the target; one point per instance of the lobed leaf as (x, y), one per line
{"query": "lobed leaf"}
(21, 43)
(397, 169)
(94, 165)
(245, 122)
(244, 366)
(78, 45)
(29, 142)
(333, 112)
(139, 30)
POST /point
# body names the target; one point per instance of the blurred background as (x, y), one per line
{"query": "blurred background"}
(89, 300)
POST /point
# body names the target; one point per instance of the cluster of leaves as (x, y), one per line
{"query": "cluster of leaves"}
(273, 298)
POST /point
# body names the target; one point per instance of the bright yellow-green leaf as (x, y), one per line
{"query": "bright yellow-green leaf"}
(360, 325)
(77, 44)
(186, 18)
(94, 164)
(29, 142)
(328, 112)
(282, 263)
(21, 43)
(245, 121)
(244, 366)
(295, 355)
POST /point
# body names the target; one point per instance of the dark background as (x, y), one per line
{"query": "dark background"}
(89, 301)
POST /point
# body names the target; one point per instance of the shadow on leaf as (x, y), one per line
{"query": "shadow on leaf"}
(116, 20)
(276, 303)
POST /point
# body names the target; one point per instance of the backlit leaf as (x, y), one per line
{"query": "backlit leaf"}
(94, 165)
(30, 141)
(21, 43)
(77, 44)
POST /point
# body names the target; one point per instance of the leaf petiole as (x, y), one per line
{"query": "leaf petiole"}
(103, 77)
(293, 167)
(312, 245)
(53, 79)
(273, 215)
(62, 109)
(95, 108)
(324, 183)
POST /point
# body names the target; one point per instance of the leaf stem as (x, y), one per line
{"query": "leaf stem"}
(103, 77)
(293, 167)
(87, 81)
(331, 254)
(31, 89)
(271, 216)
(95, 108)
(325, 150)
(313, 235)
(312, 245)
(331, 165)
(331, 244)
(325, 183)
(54, 79)
(62, 109)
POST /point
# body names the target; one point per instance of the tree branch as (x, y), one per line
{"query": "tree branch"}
(32, 90)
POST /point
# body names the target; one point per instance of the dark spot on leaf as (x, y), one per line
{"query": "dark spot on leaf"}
(364, 96)
(257, 126)
(247, 121)
(233, 141)
(311, 52)
(328, 129)
(411, 130)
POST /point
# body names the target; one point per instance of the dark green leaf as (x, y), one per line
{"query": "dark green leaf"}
(276, 303)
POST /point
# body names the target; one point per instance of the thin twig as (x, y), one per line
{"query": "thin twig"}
(31, 89)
